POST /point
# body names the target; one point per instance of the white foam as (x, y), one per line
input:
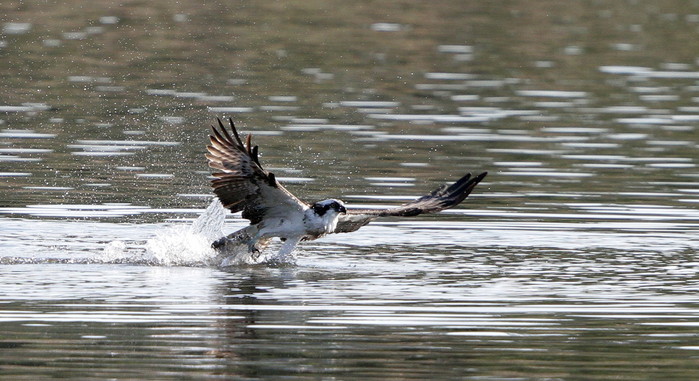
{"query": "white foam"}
(113, 252)
(189, 245)
(180, 246)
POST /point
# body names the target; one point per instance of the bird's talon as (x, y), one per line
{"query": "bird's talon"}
(219, 243)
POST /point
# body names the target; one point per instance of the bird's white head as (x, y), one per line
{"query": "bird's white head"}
(321, 208)
(327, 212)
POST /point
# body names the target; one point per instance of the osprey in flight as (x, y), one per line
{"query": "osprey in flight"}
(241, 184)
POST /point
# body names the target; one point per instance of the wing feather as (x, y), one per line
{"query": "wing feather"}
(241, 183)
(444, 197)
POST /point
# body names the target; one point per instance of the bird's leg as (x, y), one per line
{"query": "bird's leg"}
(252, 247)
(254, 253)
(219, 243)
(242, 236)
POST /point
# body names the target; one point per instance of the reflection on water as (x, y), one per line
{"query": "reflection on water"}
(319, 320)
(575, 259)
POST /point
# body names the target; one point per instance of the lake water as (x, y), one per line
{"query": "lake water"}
(575, 259)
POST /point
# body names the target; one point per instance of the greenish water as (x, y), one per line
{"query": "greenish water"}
(574, 260)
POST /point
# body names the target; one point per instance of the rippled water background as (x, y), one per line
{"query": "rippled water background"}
(575, 259)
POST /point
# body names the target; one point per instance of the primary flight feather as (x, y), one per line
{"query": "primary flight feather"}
(243, 185)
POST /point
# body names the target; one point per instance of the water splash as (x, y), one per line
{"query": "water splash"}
(238, 255)
(113, 252)
(209, 226)
(189, 245)
(180, 246)
(210, 223)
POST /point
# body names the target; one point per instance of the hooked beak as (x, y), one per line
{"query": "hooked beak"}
(342, 210)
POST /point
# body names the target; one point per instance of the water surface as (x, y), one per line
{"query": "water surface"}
(574, 259)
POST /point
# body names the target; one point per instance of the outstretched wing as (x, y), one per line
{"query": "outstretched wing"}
(242, 183)
(444, 197)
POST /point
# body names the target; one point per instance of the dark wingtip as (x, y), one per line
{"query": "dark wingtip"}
(462, 188)
(457, 186)
(272, 180)
(470, 183)
(235, 131)
(255, 155)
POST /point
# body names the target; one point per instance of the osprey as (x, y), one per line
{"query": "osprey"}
(241, 184)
